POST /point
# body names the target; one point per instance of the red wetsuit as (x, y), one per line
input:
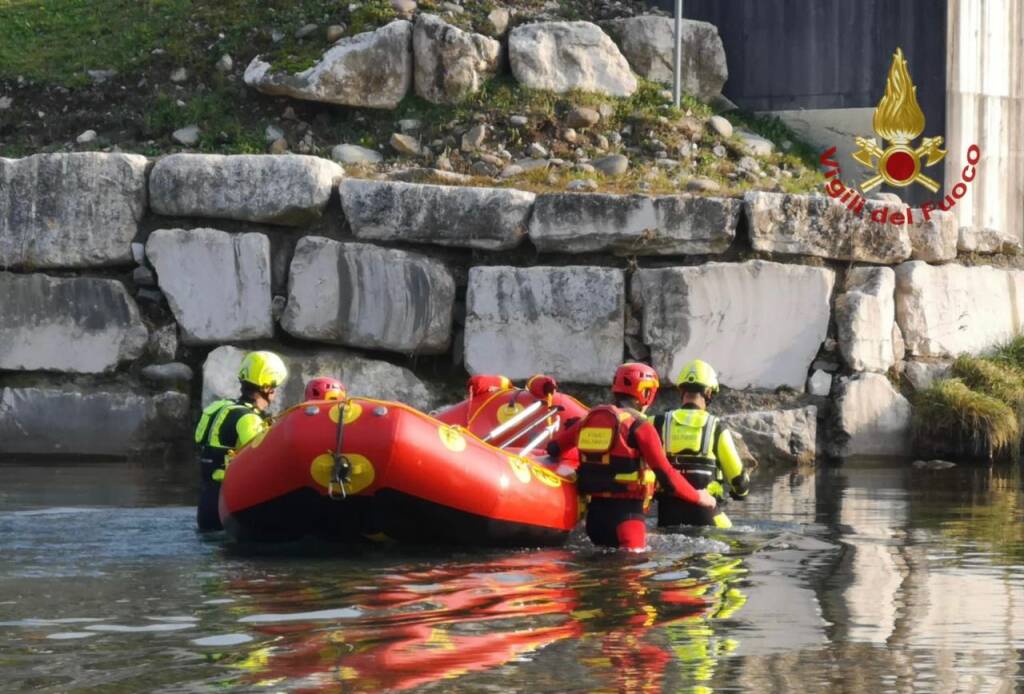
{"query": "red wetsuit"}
(615, 515)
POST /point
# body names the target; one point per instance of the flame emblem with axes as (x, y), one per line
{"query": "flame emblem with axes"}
(899, 119)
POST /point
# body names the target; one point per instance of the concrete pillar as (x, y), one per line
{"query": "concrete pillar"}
(985, 106)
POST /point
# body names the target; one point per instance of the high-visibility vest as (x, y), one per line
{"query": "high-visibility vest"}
(693, 440)
(218, 432)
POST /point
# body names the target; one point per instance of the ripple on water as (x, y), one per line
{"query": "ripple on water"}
(337, 613)
(70, 635)
(222, 640)
(178, 618)
(34, 622)
(126, 628)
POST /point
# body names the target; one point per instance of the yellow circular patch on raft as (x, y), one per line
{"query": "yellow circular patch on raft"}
(508, 411)
(521, 468)
(361, 475)
(452, 439)
(352, 412)
(545, 476)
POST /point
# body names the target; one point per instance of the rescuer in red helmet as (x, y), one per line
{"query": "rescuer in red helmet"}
(621, 457)
(325, 388)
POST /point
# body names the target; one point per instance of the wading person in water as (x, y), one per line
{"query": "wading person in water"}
(230, 424)
(701, 448)
(620, 457)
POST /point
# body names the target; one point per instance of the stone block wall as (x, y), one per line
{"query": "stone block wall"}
(132, 288)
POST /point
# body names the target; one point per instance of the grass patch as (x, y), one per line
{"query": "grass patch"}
(1010, 353)
(953, 413)
(220, 128)
(57, 41)
(774, 129)
(1001, 381)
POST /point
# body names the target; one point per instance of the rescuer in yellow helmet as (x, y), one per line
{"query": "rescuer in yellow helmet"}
(230, 424)
(701, 448)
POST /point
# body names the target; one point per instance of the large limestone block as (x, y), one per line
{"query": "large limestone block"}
(450, 63)
(363, 377)
(109, 421)
(487, 218)
(365, 296)
(633, 224)
(948, 309)
(818, 226)
(648, 42)
(217, 284)
(288, 189)
(865, 316)
(984, 240)
(873, 418)
(778, 436)
(760, 323)
(568, 322)
(80, 324)
(562, 56)
(70, 210)
(934, 240)
(372, 69)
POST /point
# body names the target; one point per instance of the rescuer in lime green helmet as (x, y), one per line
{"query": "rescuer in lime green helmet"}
(700, 448)
(230, 424)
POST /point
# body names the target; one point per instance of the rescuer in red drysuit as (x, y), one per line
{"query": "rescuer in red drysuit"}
(620, 458)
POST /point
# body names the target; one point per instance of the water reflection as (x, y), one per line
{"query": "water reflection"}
(861, 578)
(628, 619)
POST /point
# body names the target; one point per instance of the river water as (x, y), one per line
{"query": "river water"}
(863, 578)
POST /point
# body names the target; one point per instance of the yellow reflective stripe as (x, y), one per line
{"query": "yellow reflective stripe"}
(208, 412)
(218, 422)
(215, 427)
(204, 423)
(248, 427)
(708, 437)
(728, 457)
(722, 520)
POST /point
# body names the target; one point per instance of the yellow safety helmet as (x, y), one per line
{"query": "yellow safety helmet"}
(264, 370)
(698, 373)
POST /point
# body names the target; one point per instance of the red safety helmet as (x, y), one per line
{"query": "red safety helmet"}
(638, 381)
(324, 388)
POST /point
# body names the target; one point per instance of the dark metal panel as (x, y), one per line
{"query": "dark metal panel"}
(792, 54)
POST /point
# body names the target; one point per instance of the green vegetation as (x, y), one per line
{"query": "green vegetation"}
(1000, 381)
(980, 410)
(221, 129)
(57, 41)
(799, 152)
(1011, 353)
(977, 424)
(54, 44)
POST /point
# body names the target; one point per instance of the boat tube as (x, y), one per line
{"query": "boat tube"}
(361, 469)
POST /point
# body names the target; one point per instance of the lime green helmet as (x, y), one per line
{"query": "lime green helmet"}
(698, 373)
(265, 370)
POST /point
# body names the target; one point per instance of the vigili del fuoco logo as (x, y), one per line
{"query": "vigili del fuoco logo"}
(898, 121)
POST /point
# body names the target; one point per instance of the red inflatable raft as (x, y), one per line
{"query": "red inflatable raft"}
(458, 478)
